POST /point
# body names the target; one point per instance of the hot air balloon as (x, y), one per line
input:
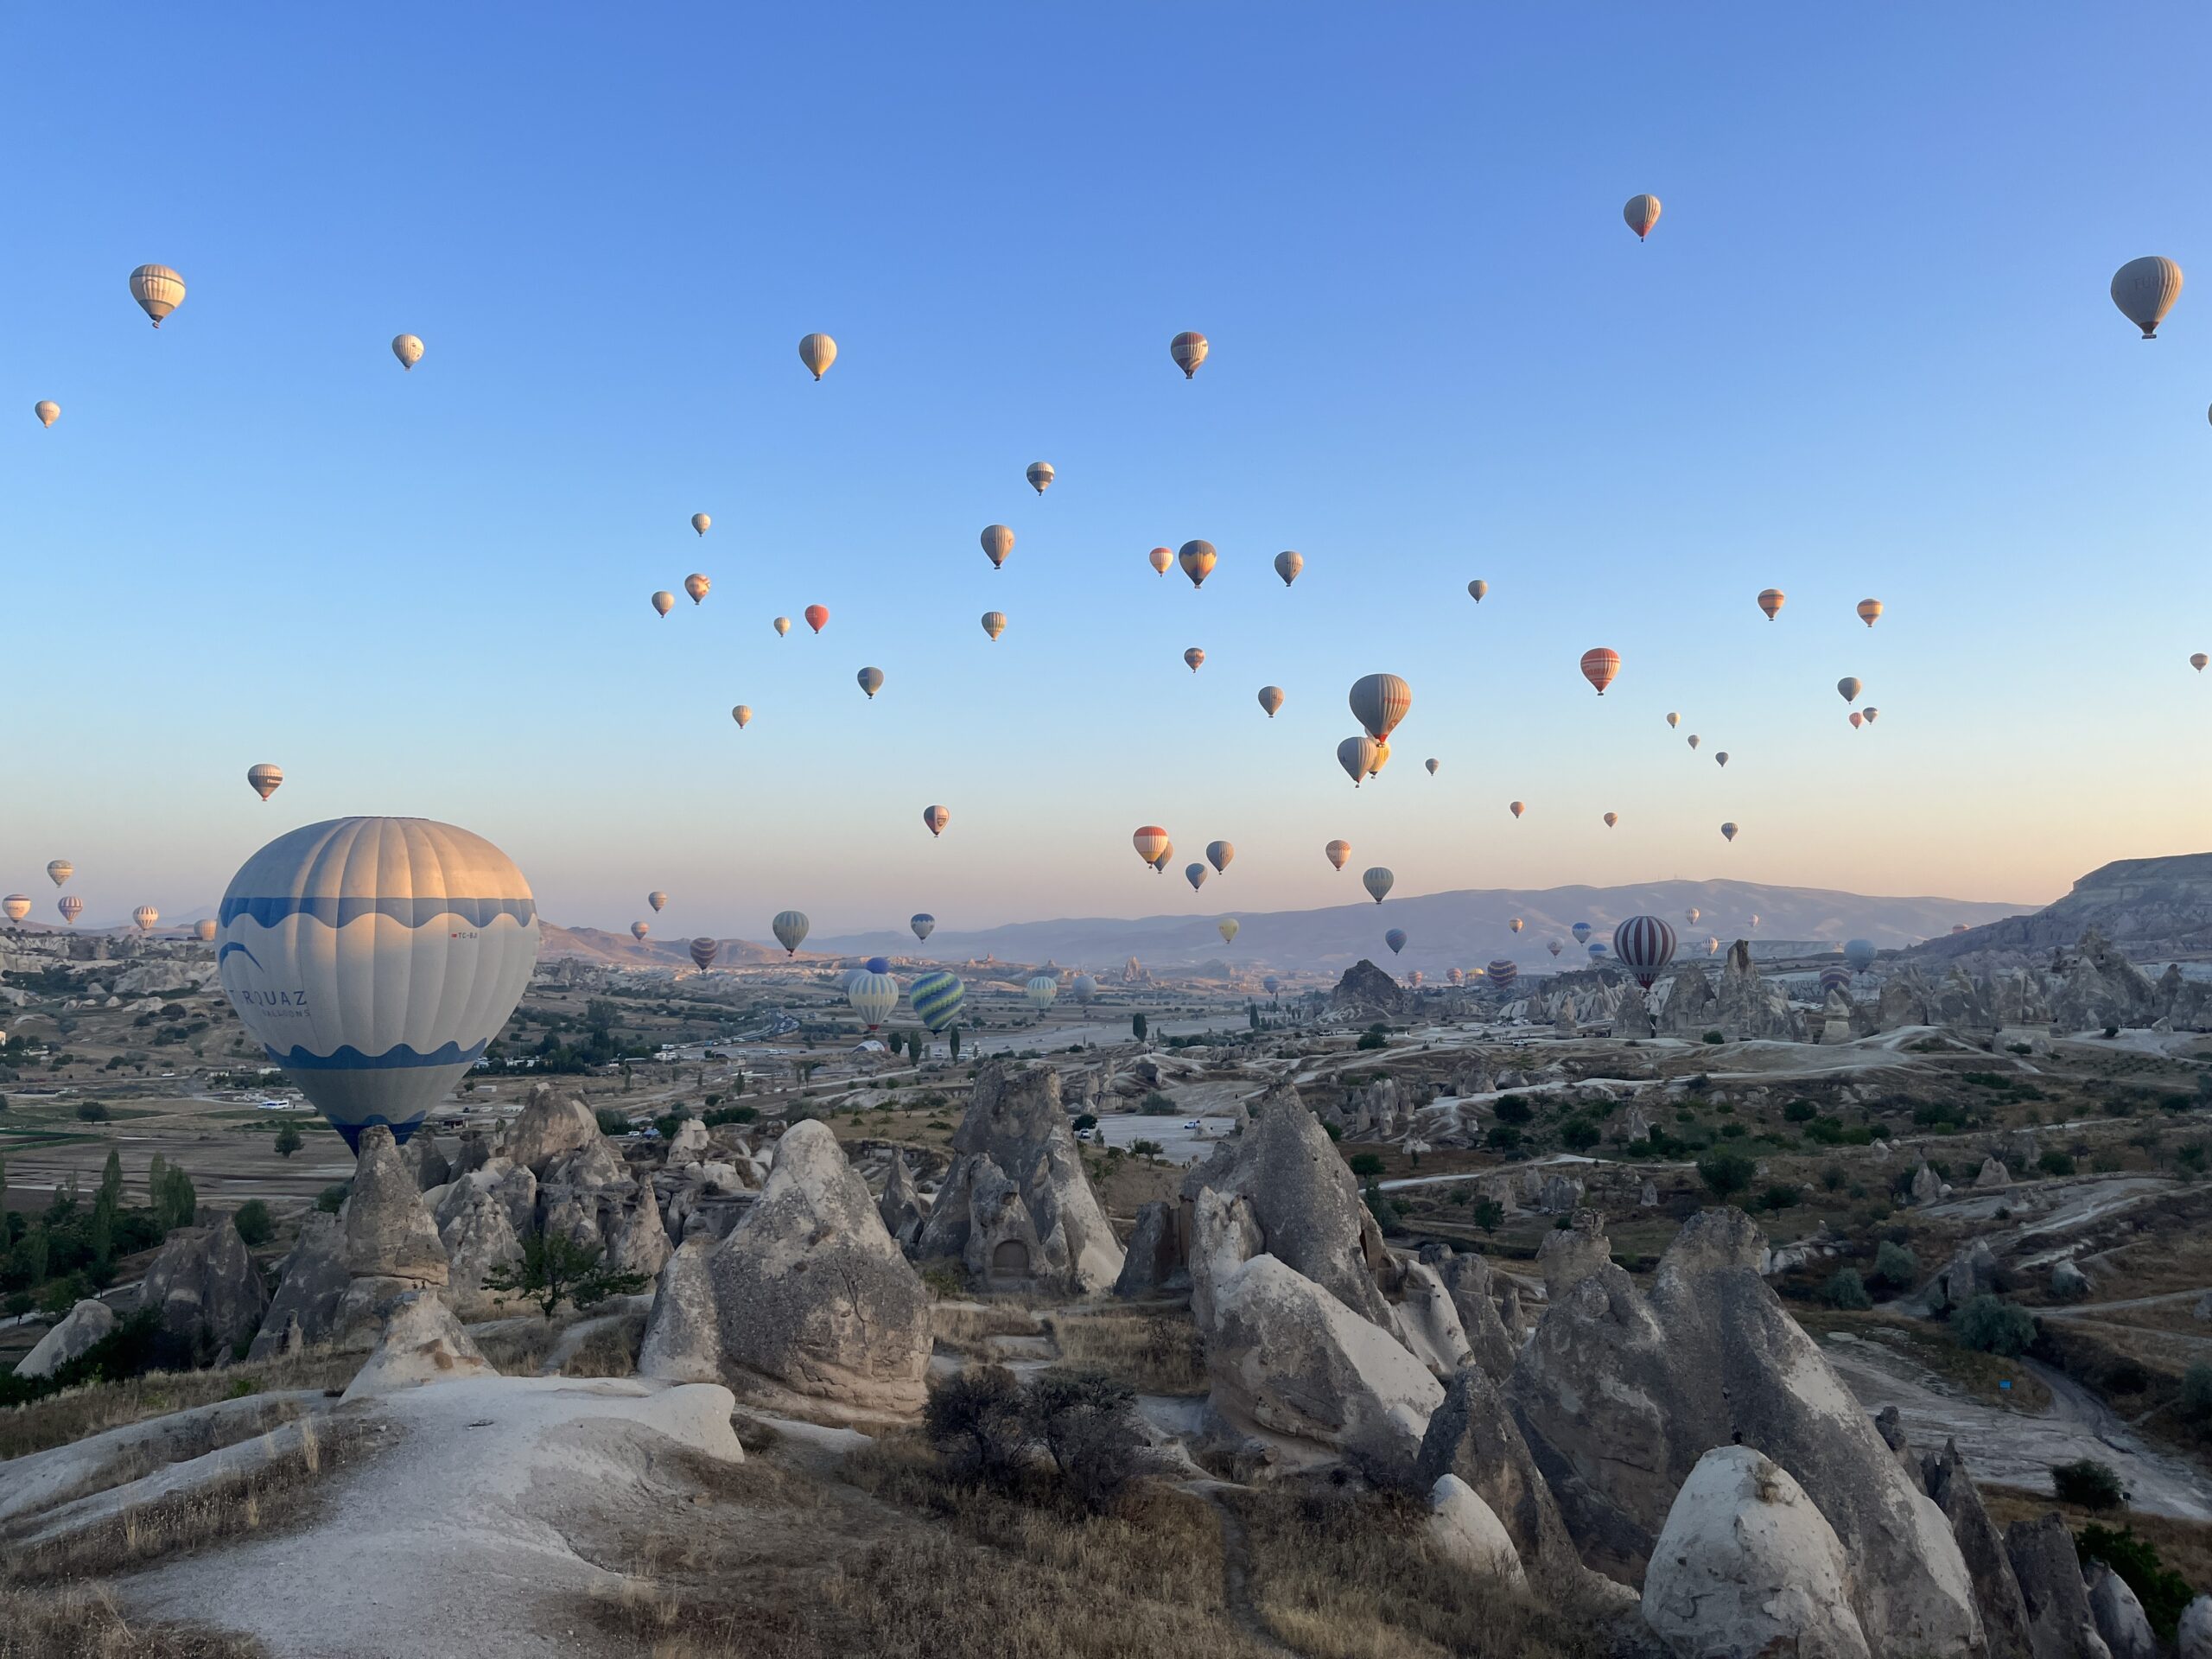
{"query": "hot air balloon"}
(1596, 948)
(1645, 946)
(1288, 565)
(1502, 973)
(1379, 701)
(1271, 699)
(17, 905)
(160, 291)
(1555, 947)
(1516, 808)
(1197, 560)
(2144, 290)
(1220, 852)
(1396, 938)
(1694, 740)
(1227, 928)
(664, 601)
(204, 930)
(639, 930)
(742, 714)
(935, 818)
(1721, 758)
(1194, 656)
(1377, 881)
(998, 542)
(1477, 589)
(1642, 214)
(1834, 979)
(1515, 925)
(1600, 666)
(817, 616)
(1337, 852)
(696, 586)
(1039, 474)
(1849, 687)
(790, 928)
(1869, 611)
(657, 899)
(1859, 953)
(2197, 659)
(408, 348)
(937, 998)
(1151, 843)
(1161, 558)
(1271, 984)
(1414, 979)
(703, 951)
(871, 681)
(1857, 720)
(145, 916)
(923, 923)
(264, 778)
(1381, 759)
(994, 623)
(70, 907)
(873, 995)
(1189, 349)
(1611, 818)
(1160, 864)
(1673, 719)
(1084, 987)
(700, 522)
(1770, 601)
(1712, 946)
(1041, 991)
(783, 625)
(1195, 876)
(1581, 932)
(374, 959)
(1755, 922)
(1728, 832)
(48, 411)
(818, 352)
(59, 871)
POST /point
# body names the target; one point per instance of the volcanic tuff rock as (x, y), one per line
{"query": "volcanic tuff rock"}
(2060, 1623)
(549, 1125)
(311, 1283)
(84, 1325)
(2118, 1616)
(2193, 1640)
(1465, 1531)
(1366, 990)
(1468, 1278)
(1747, 1566)
(205, 1288)
(422, 1343)
(1153, 1260)
(808, 1296)
(900, 1206)
(389, 1232)
(1996, 1588)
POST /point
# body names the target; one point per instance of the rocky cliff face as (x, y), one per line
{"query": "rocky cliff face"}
(1366, 988)
(2142, 904)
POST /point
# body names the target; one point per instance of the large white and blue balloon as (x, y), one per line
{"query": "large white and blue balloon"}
(374, 959)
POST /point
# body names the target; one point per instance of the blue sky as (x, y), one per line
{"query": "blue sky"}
(1868, 350)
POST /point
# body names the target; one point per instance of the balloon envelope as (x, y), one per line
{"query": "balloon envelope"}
(1189, 349)
(923, 923)
(1379, 701)
(48, 411)
(873, 995)
(1502, 973)
(374, 959)
(1227, 927)
(1288, 565)
(264, 778)
(1195, 875)
(818, 352)
(700, 522)
(871, 681)
(158, 291)
(937, 997)
(1161, 557)
(1194, 656)
(1338, 852)
(60, 870)
(145, 916)
(696, 585)
(783, 625)
(816, 616)
(1041, 991)
(1197, 560)
(1728, 830)
(1039, 474)
(657, 899)
(790, 928)
(1516, 808)
(1581, 932)
(1084, 987)
(2144, 290)
(998, 542)
(1476, 590)
(742, 714)
(1600, 666)
(935, 818)
(408, 348)
(17, 905)
(994, 623)
(1377, 881)
(639, 930)
(1849, 687)
(1396, 938)
(70, 907)
(703, 951)
(1870, 611)
(204, 930)
(1645, 946)
(1859, 953)
(1151, 841)
(1220, 852)
(1642, 212)
(1271, 698)
(1770, 601)
(664, 601)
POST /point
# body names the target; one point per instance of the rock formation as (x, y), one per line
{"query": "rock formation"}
(2193, 1638)
(549, 1125)
(808, 1297)
(2119, 1617)
(82, 1326)
(1467, 1533)
(205, 1288)
(422, 1343)
(1366, 991)
(900, 1206)
(2060, 1623)
(311, 1283)
(1153, 1260)
(1468, 1278)
(1016, 1207)
(1996, 1588)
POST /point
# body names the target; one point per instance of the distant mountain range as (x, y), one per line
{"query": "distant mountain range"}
(2147, 906)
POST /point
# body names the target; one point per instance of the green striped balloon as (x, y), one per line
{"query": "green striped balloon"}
(936, 999)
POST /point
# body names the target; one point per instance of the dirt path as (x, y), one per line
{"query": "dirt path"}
(1237, 1571)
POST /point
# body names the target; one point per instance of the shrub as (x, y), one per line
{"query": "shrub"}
(612, 1122)
(1086, 1420)
(1578, 1135)
(289, 1140)
(1085, 1121)
(1801, 1111)
(2055, 1163)
(1726, 1173)
(1780, 1196)
(1156, 1104)
(90, 1111)
(1366, 1164)
(1372, 1039)
(332, 1199)
(2163, 1592)
(1146, 1149)
(974, 1420)
(1988, 1325)
(1844, 1289)
(2090, 1484)
(254, 1222)
(1511, 1109)
(1488, 1212)
(1503, 1136)
(1895, 1265)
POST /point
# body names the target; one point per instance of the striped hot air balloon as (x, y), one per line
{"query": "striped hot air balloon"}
(1198, 559)
(1396, 938)
(59, 871)
(1161, 558)
(265, 780)
(1728, 833)
(873, 995)
(923, 923)
(790, 928)
(70, 907)
(994, 623)
(1770, 601)
(937, 998)
(1378, 882)
(1041, 991)
(1189, 349)
(1581, 932)
(16, 906)
(375, 959)
(1151, 843)
(1645, 946)
(1379, 701)
(1601, 666)
(818, 352)
(160, 291)
(703, 951)
(935, 818)
(1338, 852)
(1040, 475)
(998, 543)
(1870, 611)
(1502, 973)
(145, 917)
(1642, 212)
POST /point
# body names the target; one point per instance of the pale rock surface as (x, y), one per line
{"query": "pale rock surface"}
(1423, 1317)
(900, 1206)
(1468, 1277)
(2193, 1639)
(2067, 1278)
(1996, 1588)
(82, 1326)
(389, 1232)
(1992, 1173)
(688, 1144)
(2060, 1623)
(1152, 1259)
(422, 1343)
(549, 1125)
(2119, 1615)
(1570, 1255)
(1465, 1530)
(311, 1284)
(478, 1235)
(205, 1288)
(1746, 1567)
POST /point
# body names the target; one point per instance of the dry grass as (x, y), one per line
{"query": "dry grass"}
(517, 1350)
(194, 1439)
(65, 1418)
(1337, 1576)
(2185, 1546)
(83, 1622)
(611, 1350)
(967, 1328)
(1152, 1353)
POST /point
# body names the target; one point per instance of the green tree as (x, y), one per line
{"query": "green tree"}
(1367, 1165)
(289, 1140)
(1726, 1173)
(1488, 1213)
(1988, 1325)
(1139, 1025)
(1844, 1289)
(112, 1177)
(177, 1202)
(555, 1269)
(255, 1224)
(1895, 1265)
(953, 1037)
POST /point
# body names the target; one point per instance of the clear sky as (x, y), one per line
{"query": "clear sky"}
(1868, 350)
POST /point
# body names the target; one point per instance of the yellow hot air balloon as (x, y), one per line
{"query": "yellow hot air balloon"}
(2144, 290)
(1271, 699)
(818, 352)
(1611, 818)
(1152, 843)
(1516, 808)
(1356, 756)
(1227, 927)
(1189, 349)
(1379, 701)
(48, 411)
(664, 601)
(782, 626)
(998, 542)
(1849, 687)
(1381, 759)
(1161, 558)
(1642, 214)
(934, 818)
(1869, 611)
(1194, 656)
(1338, 852)
(696, 586)
(1288, 565)
(264, 778)
(1476, 590)
(742, 714)
(158, 291)
(994, 623)
(1770, 601)
(1197, 560)
(1039, 474)
(408, 348)
(700, 523)
(871, 681)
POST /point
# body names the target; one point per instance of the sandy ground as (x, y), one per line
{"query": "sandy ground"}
(1178, 1144)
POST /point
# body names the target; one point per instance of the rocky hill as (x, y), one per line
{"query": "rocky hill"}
(2147, 907)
